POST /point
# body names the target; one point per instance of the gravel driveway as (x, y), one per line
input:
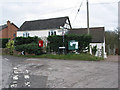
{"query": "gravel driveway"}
(70, 73)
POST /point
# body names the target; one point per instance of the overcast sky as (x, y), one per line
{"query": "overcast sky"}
(102, 12)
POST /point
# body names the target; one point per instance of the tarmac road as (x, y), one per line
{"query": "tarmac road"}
(9, 76)
(49, 73)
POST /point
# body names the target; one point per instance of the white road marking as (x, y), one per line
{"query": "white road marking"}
(14, 82)
(27, 71)
(15, 77)
(27, 84)
(13, 85)
(15, 68)
(26, 76)
(15, 72)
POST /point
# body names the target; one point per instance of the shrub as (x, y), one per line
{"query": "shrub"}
(10, 46)
(31, 48)
(57, 41)
(3, 42)
(94, 50)
(26, 40)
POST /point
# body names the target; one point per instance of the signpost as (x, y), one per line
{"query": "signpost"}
(63, 37)
(73, 45)
(61, 47)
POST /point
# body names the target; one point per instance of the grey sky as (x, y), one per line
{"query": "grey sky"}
(102, 12)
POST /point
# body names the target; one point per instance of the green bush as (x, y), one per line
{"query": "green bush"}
(10, 46)
(3, 42)
(26, 40)
(57, 41)
(94, 50)
(31, 48)
(28, 44)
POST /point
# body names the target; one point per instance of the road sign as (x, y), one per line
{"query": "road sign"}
(40, 43)
(73, 45)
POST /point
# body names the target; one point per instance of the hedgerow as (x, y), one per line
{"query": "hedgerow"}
(57, 41)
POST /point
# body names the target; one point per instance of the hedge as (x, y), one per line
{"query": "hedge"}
(3, 42)
(32, 48)
(26, 40)
(57, 41)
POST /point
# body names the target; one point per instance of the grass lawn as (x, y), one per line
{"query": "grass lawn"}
(86, 57)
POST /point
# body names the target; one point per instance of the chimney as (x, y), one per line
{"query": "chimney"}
(9, 28)
(8, 22)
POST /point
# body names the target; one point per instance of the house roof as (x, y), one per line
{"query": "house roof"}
(53, 23)
(97, 33)
(5, 26)
(14, 25)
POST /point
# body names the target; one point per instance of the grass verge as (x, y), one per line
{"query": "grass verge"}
(84, 57)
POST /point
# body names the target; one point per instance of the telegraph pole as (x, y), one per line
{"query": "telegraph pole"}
(88, 17)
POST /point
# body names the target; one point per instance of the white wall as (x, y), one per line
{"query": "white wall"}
(99, 48)
(39, 33)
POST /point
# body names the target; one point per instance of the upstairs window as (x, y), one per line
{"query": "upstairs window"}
(54, 32)
(23, 34)
(26, 34)
(51, 33)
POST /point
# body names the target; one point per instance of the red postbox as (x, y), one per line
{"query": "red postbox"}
(40, 43)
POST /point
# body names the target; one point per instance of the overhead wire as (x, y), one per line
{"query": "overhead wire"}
(91, 4)
(65, 9)
(77, 12)
(75, 7)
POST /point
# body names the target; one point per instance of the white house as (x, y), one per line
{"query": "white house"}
(47, 27)
(98, 38)
(44, 27)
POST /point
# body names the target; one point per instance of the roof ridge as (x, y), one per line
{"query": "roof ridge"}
(47, 19)
(90, 28)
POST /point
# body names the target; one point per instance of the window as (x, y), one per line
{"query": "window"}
(49, 33)
(54, 32)
(26, 34)
(23, 34)
(14, 35)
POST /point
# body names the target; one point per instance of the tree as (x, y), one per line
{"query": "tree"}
(111, 38)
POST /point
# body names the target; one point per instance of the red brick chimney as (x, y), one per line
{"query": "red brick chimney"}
(8, 22)
(9, 29)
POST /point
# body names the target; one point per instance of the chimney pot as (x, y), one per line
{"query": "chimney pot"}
(8, 22)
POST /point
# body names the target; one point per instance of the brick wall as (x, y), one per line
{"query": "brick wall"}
(9, 32)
